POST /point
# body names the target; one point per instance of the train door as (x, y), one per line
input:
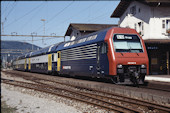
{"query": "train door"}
(17, 64)
(53, 66)
(54, 62)
(102, 59)
(49, 62)
(104, 63)
(98, 59)
(29, 64)
(58, 61)
(25, 64)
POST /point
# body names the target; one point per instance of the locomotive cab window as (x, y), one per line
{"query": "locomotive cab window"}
(127, 43)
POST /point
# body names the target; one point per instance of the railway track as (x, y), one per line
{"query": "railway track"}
(152, 86)
(98, 98)
(80, 96)
(89, 98)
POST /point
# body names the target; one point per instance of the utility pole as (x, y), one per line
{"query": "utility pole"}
(43, 20)
(32, 43)
(2, 27)
(32, 40)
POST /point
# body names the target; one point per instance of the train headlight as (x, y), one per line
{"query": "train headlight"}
(119, 66)
(143, 66)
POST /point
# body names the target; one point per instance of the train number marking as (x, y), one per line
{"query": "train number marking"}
(66, 67)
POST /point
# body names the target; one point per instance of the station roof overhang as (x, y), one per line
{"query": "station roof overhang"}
(123, 5)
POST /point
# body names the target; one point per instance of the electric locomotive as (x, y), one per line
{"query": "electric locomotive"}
(117, 53)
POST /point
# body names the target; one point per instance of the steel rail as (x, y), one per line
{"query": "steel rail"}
(51, 90)
(125, 99)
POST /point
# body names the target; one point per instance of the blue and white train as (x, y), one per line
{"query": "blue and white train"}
(115, 52)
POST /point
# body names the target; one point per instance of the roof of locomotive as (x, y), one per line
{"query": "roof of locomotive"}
(84, 40)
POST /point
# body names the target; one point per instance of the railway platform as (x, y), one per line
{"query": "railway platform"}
(158, 78)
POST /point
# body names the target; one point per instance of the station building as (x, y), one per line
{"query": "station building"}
(76, 30)
(151, 19)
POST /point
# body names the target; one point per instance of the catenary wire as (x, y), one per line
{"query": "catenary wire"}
(14, 4)
(80, 12)
(54, 16)
(5, 9)
(24, 25)
(24, 15)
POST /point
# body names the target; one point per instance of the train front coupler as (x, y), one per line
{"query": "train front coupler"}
(134, 77)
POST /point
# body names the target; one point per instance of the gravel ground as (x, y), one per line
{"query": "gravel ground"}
(26, 103)
(30, 101)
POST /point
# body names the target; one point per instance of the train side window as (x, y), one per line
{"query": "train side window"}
(58, 55)
(52, 57)
(103, 48)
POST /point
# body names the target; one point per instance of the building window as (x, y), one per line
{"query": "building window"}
(168, 26)
(141, 28)
(163, 24)
(133, 10)
(154, 61)
(139, 10)
(135, 26)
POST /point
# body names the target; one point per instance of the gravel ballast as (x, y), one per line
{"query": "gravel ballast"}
(26, 103)
(31, 101)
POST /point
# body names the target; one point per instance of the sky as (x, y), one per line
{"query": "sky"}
(24, 18)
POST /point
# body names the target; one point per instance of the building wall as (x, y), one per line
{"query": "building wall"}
(75, 33)
(158, 14)
(147, 20)
(151, 23)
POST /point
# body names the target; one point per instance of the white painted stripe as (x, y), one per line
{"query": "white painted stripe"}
(162, 79)
(21, 61)
(50, 48)
(39, 59)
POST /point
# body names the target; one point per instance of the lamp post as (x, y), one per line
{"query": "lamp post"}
(43, 20)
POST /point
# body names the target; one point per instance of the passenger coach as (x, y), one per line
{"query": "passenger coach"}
(117, 53)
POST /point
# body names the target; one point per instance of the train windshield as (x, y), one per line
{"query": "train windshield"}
(127, 43)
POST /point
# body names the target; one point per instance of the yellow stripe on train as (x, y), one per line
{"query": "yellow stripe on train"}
(49, 62)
